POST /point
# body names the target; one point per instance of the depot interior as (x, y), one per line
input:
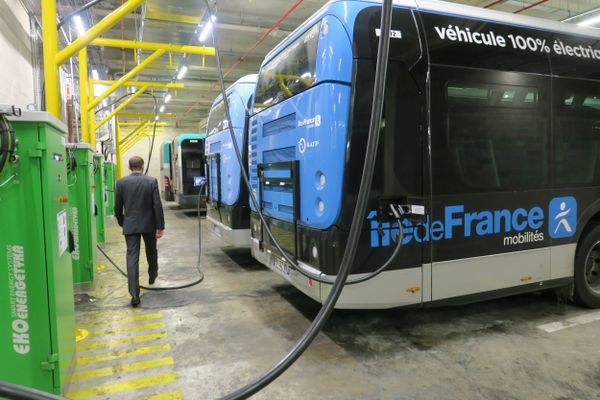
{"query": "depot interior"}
(123, 78)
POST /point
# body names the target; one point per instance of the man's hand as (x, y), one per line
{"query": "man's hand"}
(159, 233)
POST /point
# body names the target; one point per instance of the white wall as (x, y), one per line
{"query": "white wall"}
(16, 71)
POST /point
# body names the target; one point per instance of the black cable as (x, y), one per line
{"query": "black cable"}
(162, 289)
(315, 276)
(13, 391)
(7, 141)
(77, 11)
(359, 212)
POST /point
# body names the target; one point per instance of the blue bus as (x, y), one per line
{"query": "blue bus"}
(166, 170)
(490, 143)
(187, 158)
(228, 212)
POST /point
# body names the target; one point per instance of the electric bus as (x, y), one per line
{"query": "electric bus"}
(228, 212)
(187, 157)
(490, 143)
(166, 170)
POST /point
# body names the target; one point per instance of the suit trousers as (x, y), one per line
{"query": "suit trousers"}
(133, 259)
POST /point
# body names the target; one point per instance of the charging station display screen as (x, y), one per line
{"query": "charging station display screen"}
(198, 181)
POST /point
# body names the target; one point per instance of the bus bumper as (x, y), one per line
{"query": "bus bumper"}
(233, 237)
(396, 288)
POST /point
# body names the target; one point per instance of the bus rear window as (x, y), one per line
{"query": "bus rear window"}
(217, 120)
(290, 72)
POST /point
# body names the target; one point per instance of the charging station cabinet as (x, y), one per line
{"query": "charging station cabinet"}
(109, 179)
(37, 317)
(82, 221)
(99, 186)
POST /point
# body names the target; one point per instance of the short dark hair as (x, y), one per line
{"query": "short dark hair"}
(136, 163)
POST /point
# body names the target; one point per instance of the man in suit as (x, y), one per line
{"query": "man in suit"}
(139, 212)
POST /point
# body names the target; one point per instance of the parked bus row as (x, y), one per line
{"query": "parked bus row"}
(489, 146)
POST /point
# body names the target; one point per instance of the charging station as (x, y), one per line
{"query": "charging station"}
(82, 223)
(110, 181)
(99, 200)
(37, 319)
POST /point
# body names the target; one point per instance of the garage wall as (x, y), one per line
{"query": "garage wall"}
(16, 71)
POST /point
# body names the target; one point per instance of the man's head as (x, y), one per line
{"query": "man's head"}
(136, 164)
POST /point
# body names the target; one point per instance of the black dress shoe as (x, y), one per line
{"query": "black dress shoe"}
(135, 301)
(152, 279)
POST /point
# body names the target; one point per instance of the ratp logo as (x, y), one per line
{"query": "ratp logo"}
(562, 217)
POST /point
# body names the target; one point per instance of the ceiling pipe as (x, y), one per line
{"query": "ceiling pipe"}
(494, 3)
(581, 15)
(530, 6)
(251, 48)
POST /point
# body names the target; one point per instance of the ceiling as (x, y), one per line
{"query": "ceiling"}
(241, 25)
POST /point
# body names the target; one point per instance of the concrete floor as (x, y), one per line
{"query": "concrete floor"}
(202, 342)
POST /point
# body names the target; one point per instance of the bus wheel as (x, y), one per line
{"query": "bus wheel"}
(587, 270)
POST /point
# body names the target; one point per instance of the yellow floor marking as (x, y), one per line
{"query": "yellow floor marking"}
(118, 369)
(119, 342)
(124, 386)
(121, 354)
(125, 329)
(96, 314)
(81, 334)
(141, 317)
(165, 396)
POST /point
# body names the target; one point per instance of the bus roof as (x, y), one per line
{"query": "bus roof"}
(452, 9)
(185, 136)
(252, 79)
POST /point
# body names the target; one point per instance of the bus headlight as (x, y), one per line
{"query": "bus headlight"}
(321, 206)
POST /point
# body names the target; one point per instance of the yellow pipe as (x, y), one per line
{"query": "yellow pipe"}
(121, 106)
(133, 142)
(169, 17)
(91, 116)
(118, 149)
(133, 44)
(83, 95)
(127, 77)
(147, 116)
(134, 132)
(50, 37)
(122, 124)
(105, 24)
(154, 85)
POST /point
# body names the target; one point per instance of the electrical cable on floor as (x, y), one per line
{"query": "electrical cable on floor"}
(162, 289)
(359, 212)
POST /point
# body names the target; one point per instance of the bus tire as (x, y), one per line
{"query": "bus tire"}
(587, 269)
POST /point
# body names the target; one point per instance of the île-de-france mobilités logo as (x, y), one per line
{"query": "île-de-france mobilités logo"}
(562, 217)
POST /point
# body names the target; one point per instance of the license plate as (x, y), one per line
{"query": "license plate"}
(281, 266)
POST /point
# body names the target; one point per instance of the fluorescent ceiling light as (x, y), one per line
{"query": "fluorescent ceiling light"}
(95, 74)
(213, 18)
(79, 27)
(590, 21)
(157, 118)
(162, 108)
(182, 72)
(206, 31)
(168, 97)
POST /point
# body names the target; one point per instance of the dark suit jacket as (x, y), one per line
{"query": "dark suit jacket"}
(137, 204)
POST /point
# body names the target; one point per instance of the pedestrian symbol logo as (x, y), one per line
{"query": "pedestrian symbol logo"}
(562, 217)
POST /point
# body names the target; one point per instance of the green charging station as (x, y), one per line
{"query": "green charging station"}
(82, 223)
(37, 317)
(109, 179)
(99, 202)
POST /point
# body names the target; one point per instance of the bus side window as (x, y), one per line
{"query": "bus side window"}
(488, 134)
(576, 132)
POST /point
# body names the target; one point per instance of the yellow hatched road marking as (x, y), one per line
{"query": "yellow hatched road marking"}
(95, 314)
(124, 386)
(118, 369)
(126, 329)
(134, 318)
(165, 396)
(118, 342)
(122, 354)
